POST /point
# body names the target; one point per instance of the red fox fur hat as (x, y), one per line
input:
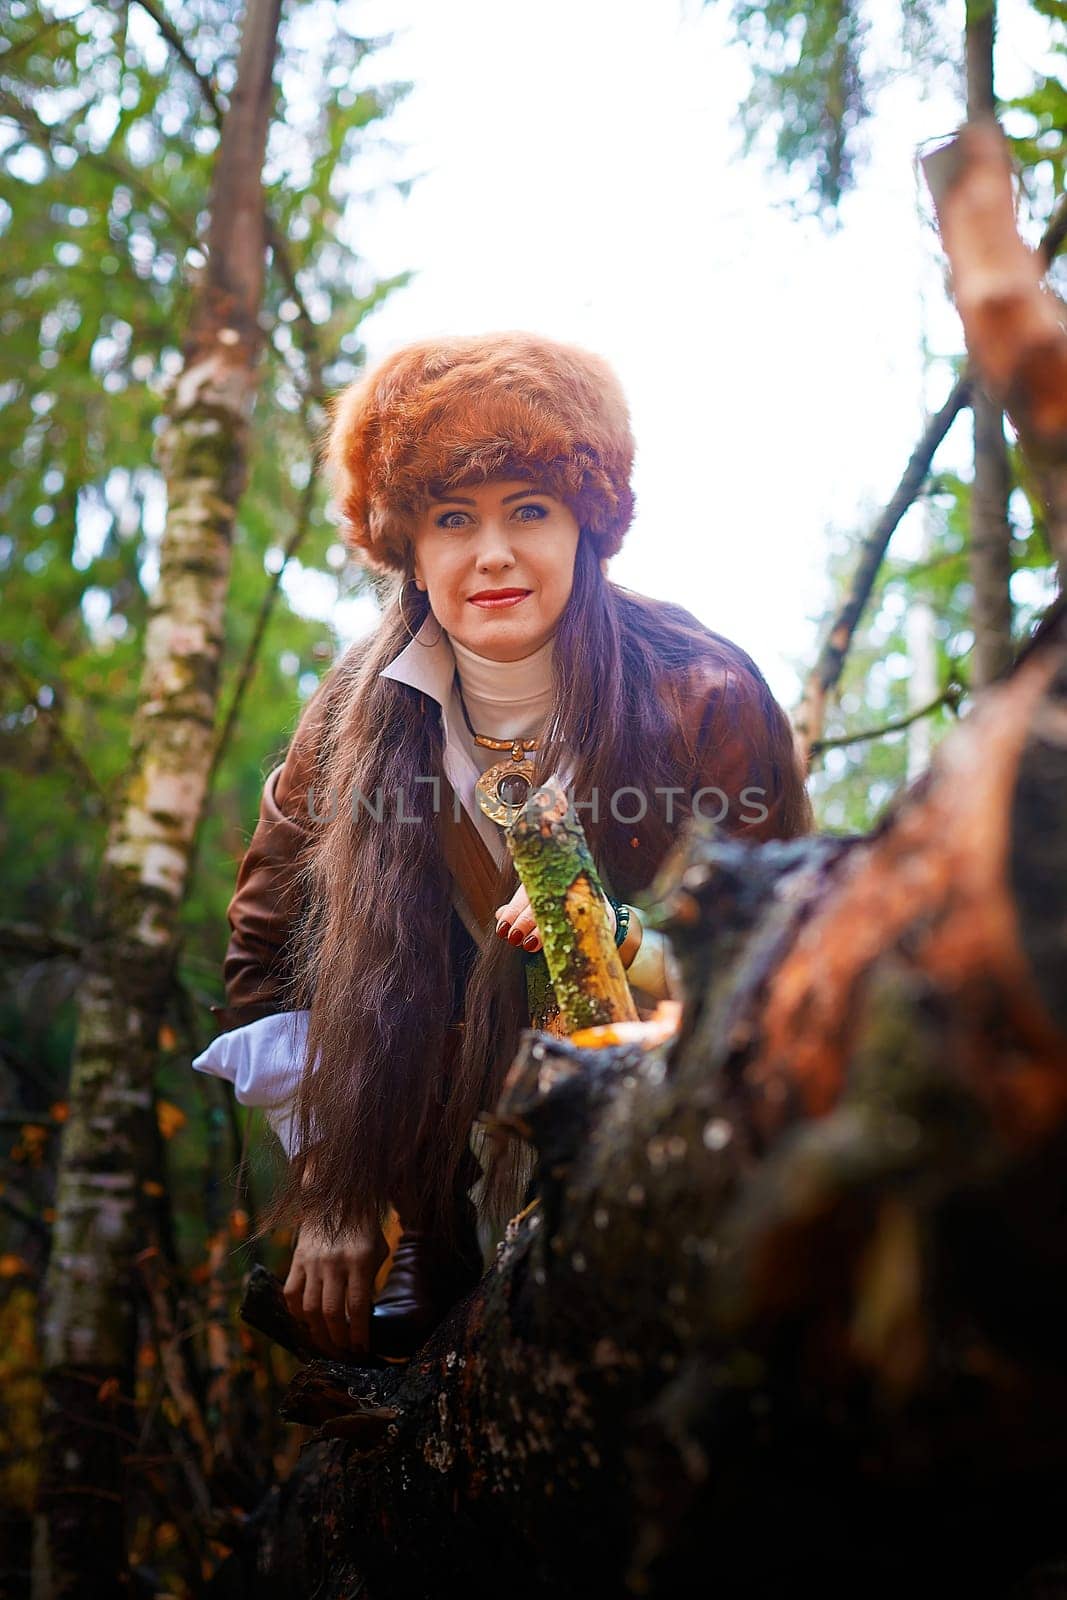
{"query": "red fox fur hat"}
(444, 413)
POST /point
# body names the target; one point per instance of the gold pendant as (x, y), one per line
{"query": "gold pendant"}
(503, 790)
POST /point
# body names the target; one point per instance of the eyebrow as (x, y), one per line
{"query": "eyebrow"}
(463, 500)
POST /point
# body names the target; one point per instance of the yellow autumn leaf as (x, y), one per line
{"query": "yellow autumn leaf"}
(170, 1117)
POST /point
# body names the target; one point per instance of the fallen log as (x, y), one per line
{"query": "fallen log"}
(790, 1306)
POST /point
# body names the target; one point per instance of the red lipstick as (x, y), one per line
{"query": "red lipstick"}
(498, 599)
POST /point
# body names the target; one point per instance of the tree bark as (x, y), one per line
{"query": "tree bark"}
(990, 547)
(1012, 323)
(109, 1147)
(980, 32)
(989, 555)
(789, 1308)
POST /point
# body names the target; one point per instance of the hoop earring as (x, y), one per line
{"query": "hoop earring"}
(404, 620)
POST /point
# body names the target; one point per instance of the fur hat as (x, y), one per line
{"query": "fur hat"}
(446, 413)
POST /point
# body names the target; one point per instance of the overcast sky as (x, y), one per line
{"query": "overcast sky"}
(581, 178)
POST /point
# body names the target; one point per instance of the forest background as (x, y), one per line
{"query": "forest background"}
(109, 129)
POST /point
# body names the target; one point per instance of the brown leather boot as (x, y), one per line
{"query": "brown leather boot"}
(428, 1276)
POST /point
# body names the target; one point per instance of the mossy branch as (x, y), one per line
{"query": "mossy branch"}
(554, 864)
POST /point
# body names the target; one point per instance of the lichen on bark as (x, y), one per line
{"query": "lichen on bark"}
(556, 868)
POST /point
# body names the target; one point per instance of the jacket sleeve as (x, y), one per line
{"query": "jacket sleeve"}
(263, 910)
(266, 901)
(748, 778)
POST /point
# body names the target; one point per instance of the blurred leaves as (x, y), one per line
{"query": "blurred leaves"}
(816, 68)
(108, 128)
(171, 1118)
(107, 136)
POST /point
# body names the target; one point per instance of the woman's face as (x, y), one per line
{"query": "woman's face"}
(505, 538)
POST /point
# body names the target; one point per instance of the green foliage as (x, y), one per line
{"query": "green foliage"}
(932, 594)
(816, 65)
(1036, 123)
(107, 140)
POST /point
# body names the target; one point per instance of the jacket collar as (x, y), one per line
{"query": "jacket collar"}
(427, 662)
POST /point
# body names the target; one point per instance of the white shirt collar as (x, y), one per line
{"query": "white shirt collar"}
(427, 662)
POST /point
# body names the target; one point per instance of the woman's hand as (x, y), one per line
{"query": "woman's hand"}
(515, 921)
(330, 1286)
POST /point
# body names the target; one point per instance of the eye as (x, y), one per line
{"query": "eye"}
(539, 512)
(445, 519)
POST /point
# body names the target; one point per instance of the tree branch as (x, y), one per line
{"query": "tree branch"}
(950, 697)
(1011, 323)
(29, 1119)
(24, 1213)
(247, 669)
(19, 47)
(57, 733)
(810, 715)
(46, 136)
(1052, 239)
(26, 939)
(248, 665)
(178, 45)
(989, 551)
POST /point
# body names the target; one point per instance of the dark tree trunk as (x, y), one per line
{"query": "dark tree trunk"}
(790, 1306)
(104, 1210)
(980, 31)
(990, 547)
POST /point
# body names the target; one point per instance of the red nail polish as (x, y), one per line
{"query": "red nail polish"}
(530, 942)
(502, 928)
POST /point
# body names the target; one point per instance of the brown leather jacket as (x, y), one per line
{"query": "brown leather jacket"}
(736, 737)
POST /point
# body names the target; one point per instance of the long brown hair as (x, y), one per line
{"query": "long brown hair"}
(373, 956)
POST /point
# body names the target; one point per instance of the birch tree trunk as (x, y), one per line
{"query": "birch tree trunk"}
(108, 1158)
(990, 545)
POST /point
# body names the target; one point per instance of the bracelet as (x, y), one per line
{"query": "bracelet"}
(622, 921)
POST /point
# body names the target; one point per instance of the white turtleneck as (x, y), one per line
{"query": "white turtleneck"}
(505, 699)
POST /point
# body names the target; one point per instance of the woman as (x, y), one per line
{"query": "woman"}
(489, 478)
